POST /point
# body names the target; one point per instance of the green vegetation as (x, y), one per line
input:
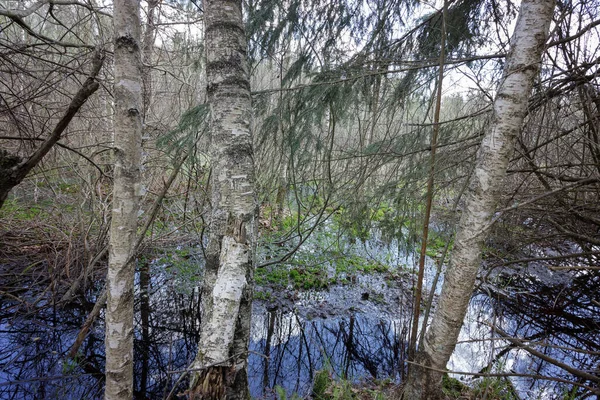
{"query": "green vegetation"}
(69, 188)
(70, 365)
(329, 256)
(436, 245)
(282, 395)
(304, 278)
(317, 272)
(262, 295)
(12, 209)
(183, 267)
(325, 387)
(288, 222)
(452, 387)
(359, 222)
(321, 383)
(494, 388)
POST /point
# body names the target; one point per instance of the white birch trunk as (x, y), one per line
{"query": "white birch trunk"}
(126, 195)
(228, 277)
(510, 108)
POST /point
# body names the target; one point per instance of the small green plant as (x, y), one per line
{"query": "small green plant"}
(451, 387)
(70, 364)
(282, 395)
(570, 394)
(289, 222)
(436, 246)
(378, 298)
(321, 383)
(494, 389)
(325, 387)
(68, 188)
(275, 275)
(12, 209)
(183, 267)
(371, 267)
(262, 295)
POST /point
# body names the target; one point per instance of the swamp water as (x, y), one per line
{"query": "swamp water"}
(356, 331)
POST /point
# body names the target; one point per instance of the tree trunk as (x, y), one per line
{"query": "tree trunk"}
(126, 198)
(510, 108)
(223, 345)
(412, 347)
(145, 322)
(148, 46)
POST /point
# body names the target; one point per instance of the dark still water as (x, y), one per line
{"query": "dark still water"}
(354, 347)
(342, 334)
(345, 331)
(286, 351)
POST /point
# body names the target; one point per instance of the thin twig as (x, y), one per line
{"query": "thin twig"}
(532, 351)
(186, 371)
(48, 378)
(506, 374)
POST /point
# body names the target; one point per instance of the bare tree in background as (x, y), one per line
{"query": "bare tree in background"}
(41, 53)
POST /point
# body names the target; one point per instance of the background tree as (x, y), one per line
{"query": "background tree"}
(44, 58)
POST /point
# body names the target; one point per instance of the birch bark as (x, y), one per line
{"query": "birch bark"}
(126, 195)
(228, 275)
(510, 107)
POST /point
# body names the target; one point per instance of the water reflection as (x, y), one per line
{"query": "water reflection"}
(34, 342)
(287, 350)
(560, 319)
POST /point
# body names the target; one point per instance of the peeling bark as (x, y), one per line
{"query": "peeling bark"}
(126, 198)
(510, 107)
(227, 286)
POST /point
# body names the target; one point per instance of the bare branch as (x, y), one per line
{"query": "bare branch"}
(532, 351)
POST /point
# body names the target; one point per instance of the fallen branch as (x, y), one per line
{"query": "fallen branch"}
(47, 378)
(17, 171)
(534, 352)
(508, 375)
(87, 324)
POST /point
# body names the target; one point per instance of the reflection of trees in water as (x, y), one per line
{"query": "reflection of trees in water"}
(36, 342)
(353, 347)
(33, 342)
(561, 320)
(169, 343)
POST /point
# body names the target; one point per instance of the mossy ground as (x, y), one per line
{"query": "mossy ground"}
(320, 274)
(327, 387)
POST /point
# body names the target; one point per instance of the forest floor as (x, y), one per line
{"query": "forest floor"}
(46, 256)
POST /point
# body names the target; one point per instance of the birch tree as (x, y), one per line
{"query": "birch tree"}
(221, 360)
(510, 108)
(126, 195)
